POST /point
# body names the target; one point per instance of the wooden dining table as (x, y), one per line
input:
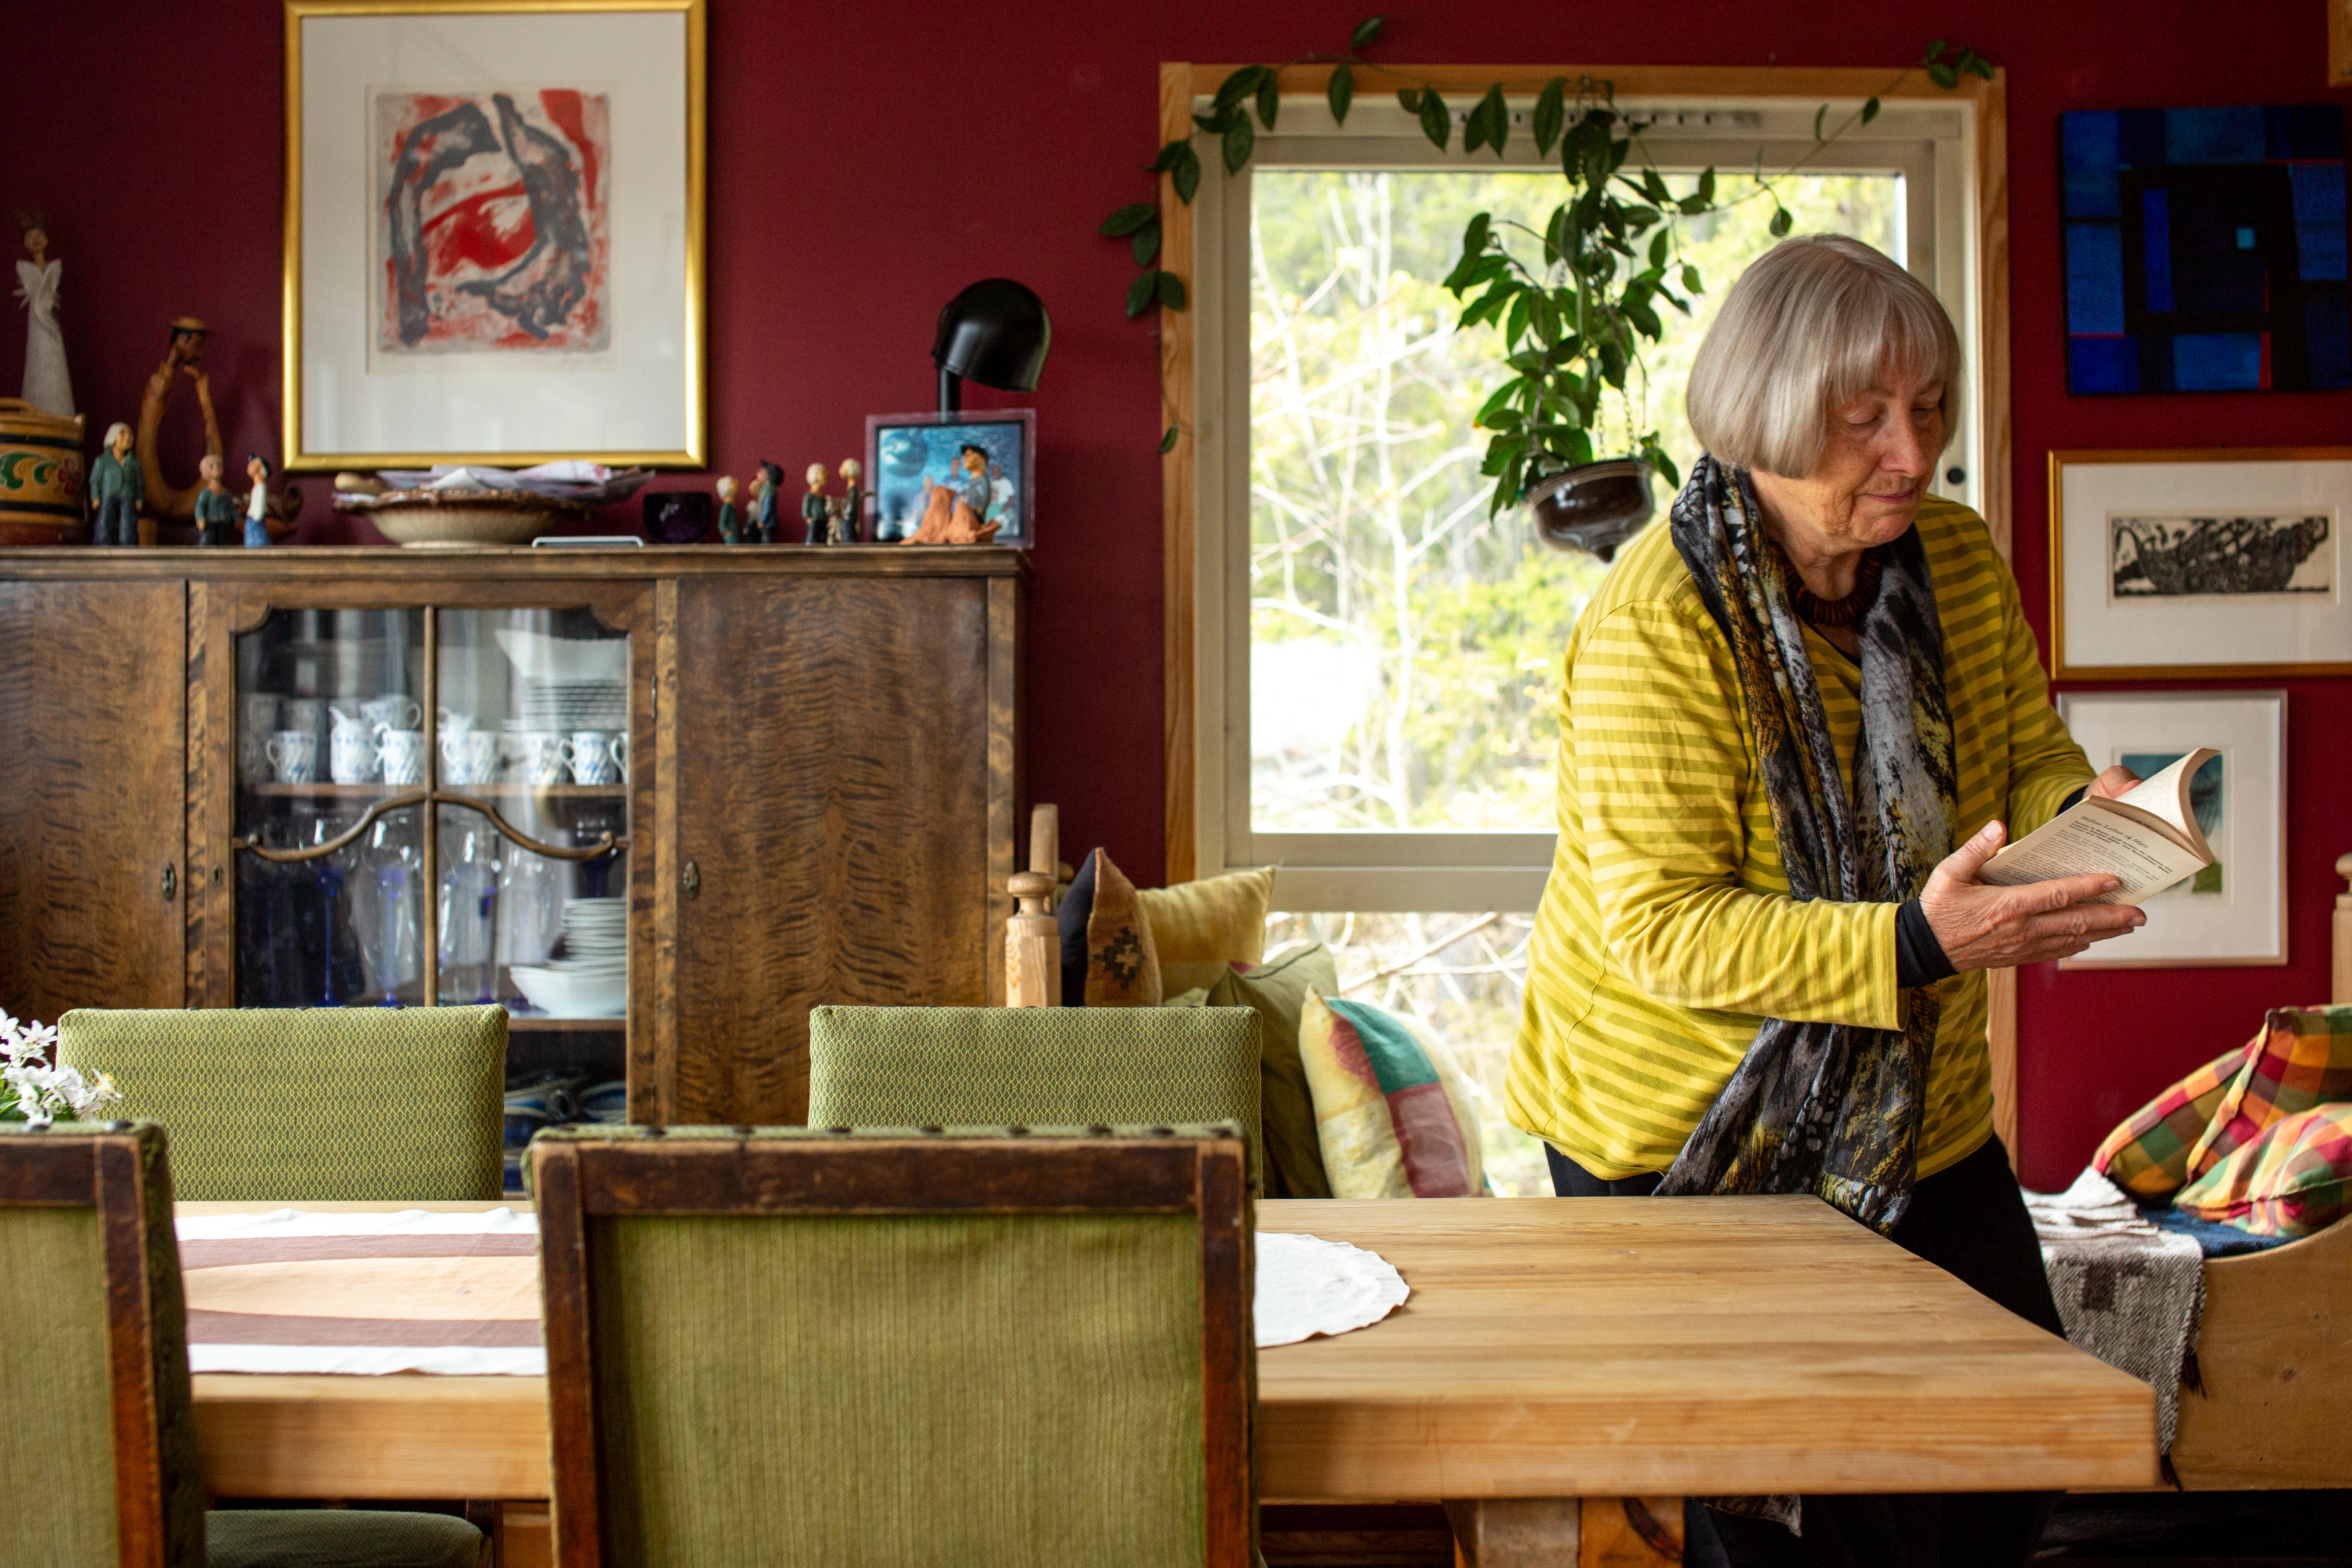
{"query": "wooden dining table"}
(1562, 1373)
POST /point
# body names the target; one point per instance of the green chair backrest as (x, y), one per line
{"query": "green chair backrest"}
(99, 1438)
(361, 1104)
(892, 1349)
(919, 1066)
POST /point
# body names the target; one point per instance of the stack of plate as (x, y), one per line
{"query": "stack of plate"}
(591, 979)
(569, 705)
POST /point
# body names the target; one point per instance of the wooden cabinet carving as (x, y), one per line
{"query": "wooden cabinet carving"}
(816, 802)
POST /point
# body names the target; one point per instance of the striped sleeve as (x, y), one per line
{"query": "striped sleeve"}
(2045, 764)
(1660, 786)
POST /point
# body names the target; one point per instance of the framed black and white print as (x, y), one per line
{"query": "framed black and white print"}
(2170, 565)
(494, 232)
(954, 478)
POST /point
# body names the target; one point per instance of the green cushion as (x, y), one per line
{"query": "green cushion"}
(339, 1538)
(912, 1067)
(366, 1104)
(1277, 992)
(830, 1389)
(60, 1428)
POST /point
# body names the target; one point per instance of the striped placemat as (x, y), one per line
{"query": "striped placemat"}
(297, 1292)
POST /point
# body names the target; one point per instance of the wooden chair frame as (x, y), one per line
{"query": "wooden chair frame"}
(1160, 1173)
(105, 1170)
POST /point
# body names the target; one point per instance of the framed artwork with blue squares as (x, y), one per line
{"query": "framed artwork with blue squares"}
(2205, 249)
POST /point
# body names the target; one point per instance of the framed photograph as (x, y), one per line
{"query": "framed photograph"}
(494, 232)
(2171, 566)
(2234, 912)
(954, 478)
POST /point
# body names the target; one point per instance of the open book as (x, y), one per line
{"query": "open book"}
(2148, 839)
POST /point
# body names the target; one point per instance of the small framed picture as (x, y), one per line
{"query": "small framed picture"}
(954, 478)
(2234, 912)
(2171, 566)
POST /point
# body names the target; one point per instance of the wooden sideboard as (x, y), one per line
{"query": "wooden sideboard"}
(835, 742)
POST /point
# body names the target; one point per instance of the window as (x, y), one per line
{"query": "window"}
(1379, 660)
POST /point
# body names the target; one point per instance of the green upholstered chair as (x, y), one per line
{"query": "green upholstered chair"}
(915, 1067)
(99, 1438)
(361, 1104)
(893, 1348)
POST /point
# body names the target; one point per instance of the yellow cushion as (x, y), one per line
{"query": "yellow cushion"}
(1199, 927)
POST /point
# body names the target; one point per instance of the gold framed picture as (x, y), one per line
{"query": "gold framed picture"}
(494, 232)
(2168, 565)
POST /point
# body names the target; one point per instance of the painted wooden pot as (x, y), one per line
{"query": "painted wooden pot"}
(40, 476)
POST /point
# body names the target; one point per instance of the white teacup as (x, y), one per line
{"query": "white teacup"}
(353, 754)
(539, 756)
(403, 756)
(594, 758)
(391, 711)
(454, 722)
(252, 754)
(469, 756)
(294, 754)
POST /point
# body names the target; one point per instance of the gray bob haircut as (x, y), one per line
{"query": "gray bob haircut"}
(1812, 325)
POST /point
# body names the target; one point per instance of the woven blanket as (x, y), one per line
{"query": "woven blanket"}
(2129, 1293)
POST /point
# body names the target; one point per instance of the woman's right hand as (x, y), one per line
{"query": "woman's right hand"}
(1981, 926)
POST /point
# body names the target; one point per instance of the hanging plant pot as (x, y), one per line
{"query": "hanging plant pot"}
(1594, 507)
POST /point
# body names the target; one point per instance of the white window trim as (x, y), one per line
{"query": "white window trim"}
(1935, 144)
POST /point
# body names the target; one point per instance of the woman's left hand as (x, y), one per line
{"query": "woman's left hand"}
(2114, 782)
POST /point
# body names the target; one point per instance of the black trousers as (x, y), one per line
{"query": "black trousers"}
(1971, 1222)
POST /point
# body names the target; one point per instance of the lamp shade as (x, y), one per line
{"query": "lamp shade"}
(994, 332)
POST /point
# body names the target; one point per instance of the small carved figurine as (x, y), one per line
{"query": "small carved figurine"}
(215, 511)
(813, 509)
(846, 514)
(183, 358)
(47, 387)
(258, 531)
(730, 522)
(766, 500)
(118, 488)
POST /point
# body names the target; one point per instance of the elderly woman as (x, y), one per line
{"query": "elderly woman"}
(1795, 724)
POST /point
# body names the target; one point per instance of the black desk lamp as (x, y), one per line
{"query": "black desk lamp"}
(994, 332)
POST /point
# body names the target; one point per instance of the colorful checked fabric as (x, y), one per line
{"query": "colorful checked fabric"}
(2289, 1181)
(2148, 1156)
(1392, 1111)
(2302, 1058)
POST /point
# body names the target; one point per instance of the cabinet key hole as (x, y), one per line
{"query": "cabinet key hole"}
(693, 880)
(170, 883)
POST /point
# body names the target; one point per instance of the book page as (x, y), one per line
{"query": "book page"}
(2087, 840)
(2166, 795)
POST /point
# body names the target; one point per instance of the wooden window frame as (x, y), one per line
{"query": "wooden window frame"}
(1181, 84)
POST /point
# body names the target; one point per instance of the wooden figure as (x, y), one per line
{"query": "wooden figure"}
(848, 514)
(815, 509)
(730, 522)
(184, 357)
(118, 488)
(215, 511)
(767, 499)
(259, 531)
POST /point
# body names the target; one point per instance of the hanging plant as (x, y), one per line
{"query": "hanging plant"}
(1575, 312)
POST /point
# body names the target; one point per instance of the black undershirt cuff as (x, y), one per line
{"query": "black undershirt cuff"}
(2072, 801)
(1918, 957)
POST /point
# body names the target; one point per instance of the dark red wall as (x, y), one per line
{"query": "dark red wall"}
(866, 161)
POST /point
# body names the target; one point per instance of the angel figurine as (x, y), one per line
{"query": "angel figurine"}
(47, 387)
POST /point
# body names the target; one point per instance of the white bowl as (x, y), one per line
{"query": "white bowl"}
(564, 995)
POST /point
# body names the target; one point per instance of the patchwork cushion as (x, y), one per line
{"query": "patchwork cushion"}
(1392, 1112)
(2302, 1058)
(2288, 1181)
(2148, 1156)
(1278, 990)
(1122, 967)
(1200, 929)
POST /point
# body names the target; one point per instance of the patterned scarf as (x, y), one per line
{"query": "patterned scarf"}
(1831, 1109)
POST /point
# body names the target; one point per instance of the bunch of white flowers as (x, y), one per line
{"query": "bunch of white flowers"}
(34, 1089)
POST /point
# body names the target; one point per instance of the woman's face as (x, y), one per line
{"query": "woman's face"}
(1880, 453)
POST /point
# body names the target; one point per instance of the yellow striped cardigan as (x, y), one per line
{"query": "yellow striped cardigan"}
(1666, 930)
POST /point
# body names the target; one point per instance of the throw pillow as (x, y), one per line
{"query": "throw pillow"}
(2302, 1058)
(1070, 916)
(1278, 990)
(1392, 1115)
(2148, 1156)
(1122, 967)
(1199, 928)
(2289, 1181)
